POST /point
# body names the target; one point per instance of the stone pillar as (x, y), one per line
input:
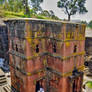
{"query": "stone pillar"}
(30, 86)
(65, 85)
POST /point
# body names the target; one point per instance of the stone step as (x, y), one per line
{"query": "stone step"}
(3, 80)
(7, 88)
(2, 76)
(3, 83)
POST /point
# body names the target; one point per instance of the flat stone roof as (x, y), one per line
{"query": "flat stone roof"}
(44, 20)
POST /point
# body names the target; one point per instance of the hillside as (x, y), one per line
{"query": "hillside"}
(10, 14)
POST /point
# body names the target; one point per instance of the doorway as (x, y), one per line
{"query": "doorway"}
(75, 85)
(37, 86)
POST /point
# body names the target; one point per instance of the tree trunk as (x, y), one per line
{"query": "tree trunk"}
(26, 6)
(69, 17)
(27, 12)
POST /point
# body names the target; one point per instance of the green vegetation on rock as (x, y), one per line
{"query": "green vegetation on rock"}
(24, 9)
(89, 84)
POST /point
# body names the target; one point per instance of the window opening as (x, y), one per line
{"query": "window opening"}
(37, 48)
(76, 25)
(16, 47)
(12, 45)
(75, 48)
(74, 86)
(54, 48)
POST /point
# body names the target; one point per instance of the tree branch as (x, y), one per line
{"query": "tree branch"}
(66, 10)
(73, 6)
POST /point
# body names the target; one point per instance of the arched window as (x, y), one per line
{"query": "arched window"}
(37, 48)
(54, 48)
(12, 44)
(16, 47)
(75, 49)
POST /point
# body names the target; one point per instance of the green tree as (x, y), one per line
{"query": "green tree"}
(52, 15)
(26, 7)
(18, 5)
(45, 13)
(49, 14)
(90, 24)
(15, 5)
(2, 2)
(11, 5)
(6, 5)
(84, 22)
(36, 5)
(71, 7)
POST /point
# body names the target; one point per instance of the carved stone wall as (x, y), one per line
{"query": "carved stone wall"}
(4, 42)
(45, 53)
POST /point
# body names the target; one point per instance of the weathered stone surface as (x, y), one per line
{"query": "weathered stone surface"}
(2, 23)
(88, 89)
(46, 53)
(4, 42)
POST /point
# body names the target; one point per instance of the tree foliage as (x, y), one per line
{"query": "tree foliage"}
(25, 8)
(22, 5)
(2, 1)
(90, 24)
(36, 5)
(15, 5)
(12, 5)
(45, 13)
(71, 7)
(84, 22)
(49, 14)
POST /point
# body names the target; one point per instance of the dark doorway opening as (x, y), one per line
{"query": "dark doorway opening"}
(16, 47)
(37, 86)
(74, 86)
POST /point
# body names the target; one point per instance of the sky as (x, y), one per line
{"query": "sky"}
(52, 5)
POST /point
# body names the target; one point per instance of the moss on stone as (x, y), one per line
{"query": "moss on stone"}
(89, 84)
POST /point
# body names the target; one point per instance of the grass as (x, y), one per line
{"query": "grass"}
(89, 84)
(9, 14)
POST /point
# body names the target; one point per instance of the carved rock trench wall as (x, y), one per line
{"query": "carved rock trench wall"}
(4, 42)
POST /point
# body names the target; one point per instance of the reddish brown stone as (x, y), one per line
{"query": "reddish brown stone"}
(47, 53)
